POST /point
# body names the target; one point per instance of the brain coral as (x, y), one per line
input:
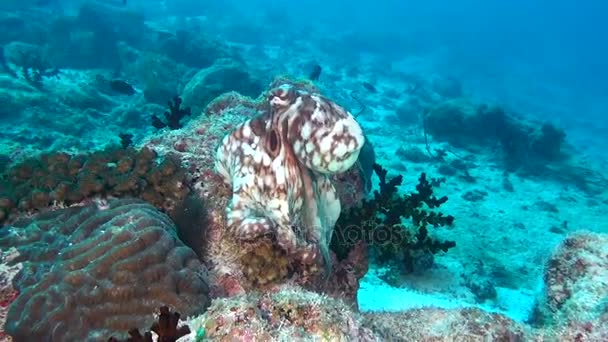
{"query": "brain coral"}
(99, 270)
(279, 166)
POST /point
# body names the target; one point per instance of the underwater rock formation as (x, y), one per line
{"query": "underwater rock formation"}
(576, 282)
(278, 166)
(532, 149)
(523, 144)
(99, 270)
(193, 49)
(435, 324)
(223, 76)
(284, 313)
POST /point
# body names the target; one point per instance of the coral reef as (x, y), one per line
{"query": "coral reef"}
(278, 166)
(284, 313)
(64, 179)
(173, 116)
(99, 270)
(378, 223)
(235, 265)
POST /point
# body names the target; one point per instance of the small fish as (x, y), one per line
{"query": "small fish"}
(369, 87)
(315, 73)
(122, 87)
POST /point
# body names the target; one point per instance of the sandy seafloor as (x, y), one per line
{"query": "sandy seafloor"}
(504, 236)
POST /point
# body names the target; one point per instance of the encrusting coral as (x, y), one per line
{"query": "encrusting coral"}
(263, 264)
(278, 165)
(65, 179)
(96, 271)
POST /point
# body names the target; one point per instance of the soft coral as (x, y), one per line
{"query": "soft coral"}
(378, 222)
(173, 116)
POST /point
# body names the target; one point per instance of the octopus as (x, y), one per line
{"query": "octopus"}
(279, 166)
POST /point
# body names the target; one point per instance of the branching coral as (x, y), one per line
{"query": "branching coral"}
(166, 327)
(378, 222)
(98, 270)
(173, 116)
(278, 166)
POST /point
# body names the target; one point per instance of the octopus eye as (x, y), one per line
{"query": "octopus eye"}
(273, 143)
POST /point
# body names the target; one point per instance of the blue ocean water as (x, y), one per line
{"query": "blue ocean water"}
(502, 105)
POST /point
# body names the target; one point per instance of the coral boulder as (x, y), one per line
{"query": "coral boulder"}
(99, 270)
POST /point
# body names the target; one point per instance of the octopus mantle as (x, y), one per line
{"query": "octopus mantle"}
(278, 165)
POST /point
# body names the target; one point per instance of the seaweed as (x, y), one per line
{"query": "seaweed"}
(173, 116)
(378, 223)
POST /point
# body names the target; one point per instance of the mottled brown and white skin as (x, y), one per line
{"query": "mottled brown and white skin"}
(279, 164)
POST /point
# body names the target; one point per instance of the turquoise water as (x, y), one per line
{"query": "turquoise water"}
(501, 104)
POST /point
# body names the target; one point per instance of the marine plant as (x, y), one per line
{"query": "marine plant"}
(378, 222)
